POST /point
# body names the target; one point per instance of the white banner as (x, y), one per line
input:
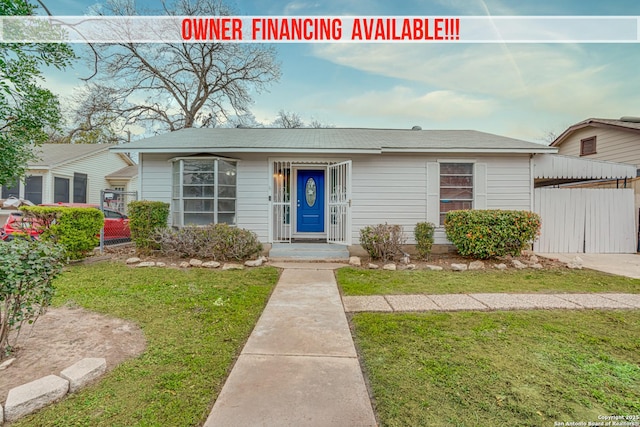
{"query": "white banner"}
(321, 29)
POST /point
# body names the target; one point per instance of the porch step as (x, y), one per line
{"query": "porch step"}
(308, 252)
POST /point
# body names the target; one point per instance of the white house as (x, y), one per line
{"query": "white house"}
(74, 173)
(326, 184)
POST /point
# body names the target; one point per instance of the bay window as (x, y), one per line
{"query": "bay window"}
(204, 191)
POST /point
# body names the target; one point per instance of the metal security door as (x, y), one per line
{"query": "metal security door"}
(339, 177)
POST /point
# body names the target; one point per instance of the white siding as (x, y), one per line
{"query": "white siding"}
(387, 188)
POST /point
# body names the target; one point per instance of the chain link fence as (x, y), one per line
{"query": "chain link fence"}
(114, 206)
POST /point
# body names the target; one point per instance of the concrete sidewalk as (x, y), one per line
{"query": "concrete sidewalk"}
(299, 366)
(487, 302)
(619, 264)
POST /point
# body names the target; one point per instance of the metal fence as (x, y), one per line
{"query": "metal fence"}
(114, 206)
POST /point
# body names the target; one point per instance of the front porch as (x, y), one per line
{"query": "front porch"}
(309, 252)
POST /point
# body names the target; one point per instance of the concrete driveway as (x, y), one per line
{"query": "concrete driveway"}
(620, 264)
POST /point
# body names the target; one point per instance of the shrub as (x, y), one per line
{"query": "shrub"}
(145, 217)
(26, 271)
(424, 238)
(382, 241)
(76, 229)
(490, 233)
(220, 242)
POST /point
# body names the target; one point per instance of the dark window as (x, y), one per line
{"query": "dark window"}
(588, 146)
(79, 188)
(9, 190)
(456, 187)
(33, 189)
(60, 190)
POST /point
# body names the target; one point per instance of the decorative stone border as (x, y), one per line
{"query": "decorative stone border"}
(138, 263)
(28, 398)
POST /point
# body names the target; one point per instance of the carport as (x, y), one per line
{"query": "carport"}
(583, 220)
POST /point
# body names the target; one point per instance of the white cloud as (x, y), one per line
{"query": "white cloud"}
(553, 78)
(402, 102)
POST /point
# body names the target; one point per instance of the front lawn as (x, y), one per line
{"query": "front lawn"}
(525, 368)
(354, 281)
(195, 321)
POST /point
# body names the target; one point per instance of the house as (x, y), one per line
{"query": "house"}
(616, 140)
(326, 184)
(74, 173)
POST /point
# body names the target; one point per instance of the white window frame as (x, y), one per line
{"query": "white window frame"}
(178, 198)
(473, 186)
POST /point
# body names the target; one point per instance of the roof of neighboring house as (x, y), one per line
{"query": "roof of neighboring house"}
(330, 140)
(126, 172)
(53, 155)
(630, 124)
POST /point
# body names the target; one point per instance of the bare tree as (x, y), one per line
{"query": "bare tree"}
(181, 85)
(288, 120)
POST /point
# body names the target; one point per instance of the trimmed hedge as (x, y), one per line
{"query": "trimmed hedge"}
(424, 238)
(490, 233)
(76, 229)
(145, 217)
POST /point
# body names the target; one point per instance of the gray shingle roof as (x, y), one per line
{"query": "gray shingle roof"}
(50, 155)
(330, 140)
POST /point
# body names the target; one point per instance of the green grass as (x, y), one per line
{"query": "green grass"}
(527, 368)
(355, 281)
(195, 322)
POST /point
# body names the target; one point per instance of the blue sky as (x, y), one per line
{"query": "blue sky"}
(517, 90)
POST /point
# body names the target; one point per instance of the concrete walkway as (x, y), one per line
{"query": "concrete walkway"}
(493, 301)
(299, 366)
(620, 264)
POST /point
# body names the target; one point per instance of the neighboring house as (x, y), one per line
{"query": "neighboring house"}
(605, 139)
(326, 184)
(74, 173)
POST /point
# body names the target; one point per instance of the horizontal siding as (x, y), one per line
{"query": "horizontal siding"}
(508, 182)
(253, 196)
(611, 145)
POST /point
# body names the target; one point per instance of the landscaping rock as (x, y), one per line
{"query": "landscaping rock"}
(373, 266)
(264, 259)
(4, 365)
(459, 267)
(195, 263)
(534, 259)
(211, 264)
(83, 372)
(476, 265)
(253, 263)
(184, 264)
(146, 264)
(232, 266)
(161, 264)
(537, 266)
(517, 264)
(355, 261)
(500, 266)
(133, 260)
(575, 264)
(406, 259)
(390, 267)
(35, 395)
(411, 266)
(527, 252)
(434, 267)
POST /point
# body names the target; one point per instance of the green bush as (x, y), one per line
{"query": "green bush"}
(489, 233)
(26, 270)
(220, 242)
(424, 238)
(144, 218)
(382, 241)
(76, 229)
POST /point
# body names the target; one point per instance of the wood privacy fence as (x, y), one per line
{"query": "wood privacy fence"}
(586, 220)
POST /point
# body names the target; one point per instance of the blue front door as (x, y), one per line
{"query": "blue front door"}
(310, 203)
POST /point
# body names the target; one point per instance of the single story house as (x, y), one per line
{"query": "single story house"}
(74, 173)
(326, 184)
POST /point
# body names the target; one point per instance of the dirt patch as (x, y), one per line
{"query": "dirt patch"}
(63, 336)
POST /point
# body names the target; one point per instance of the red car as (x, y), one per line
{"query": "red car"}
(116, 225)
